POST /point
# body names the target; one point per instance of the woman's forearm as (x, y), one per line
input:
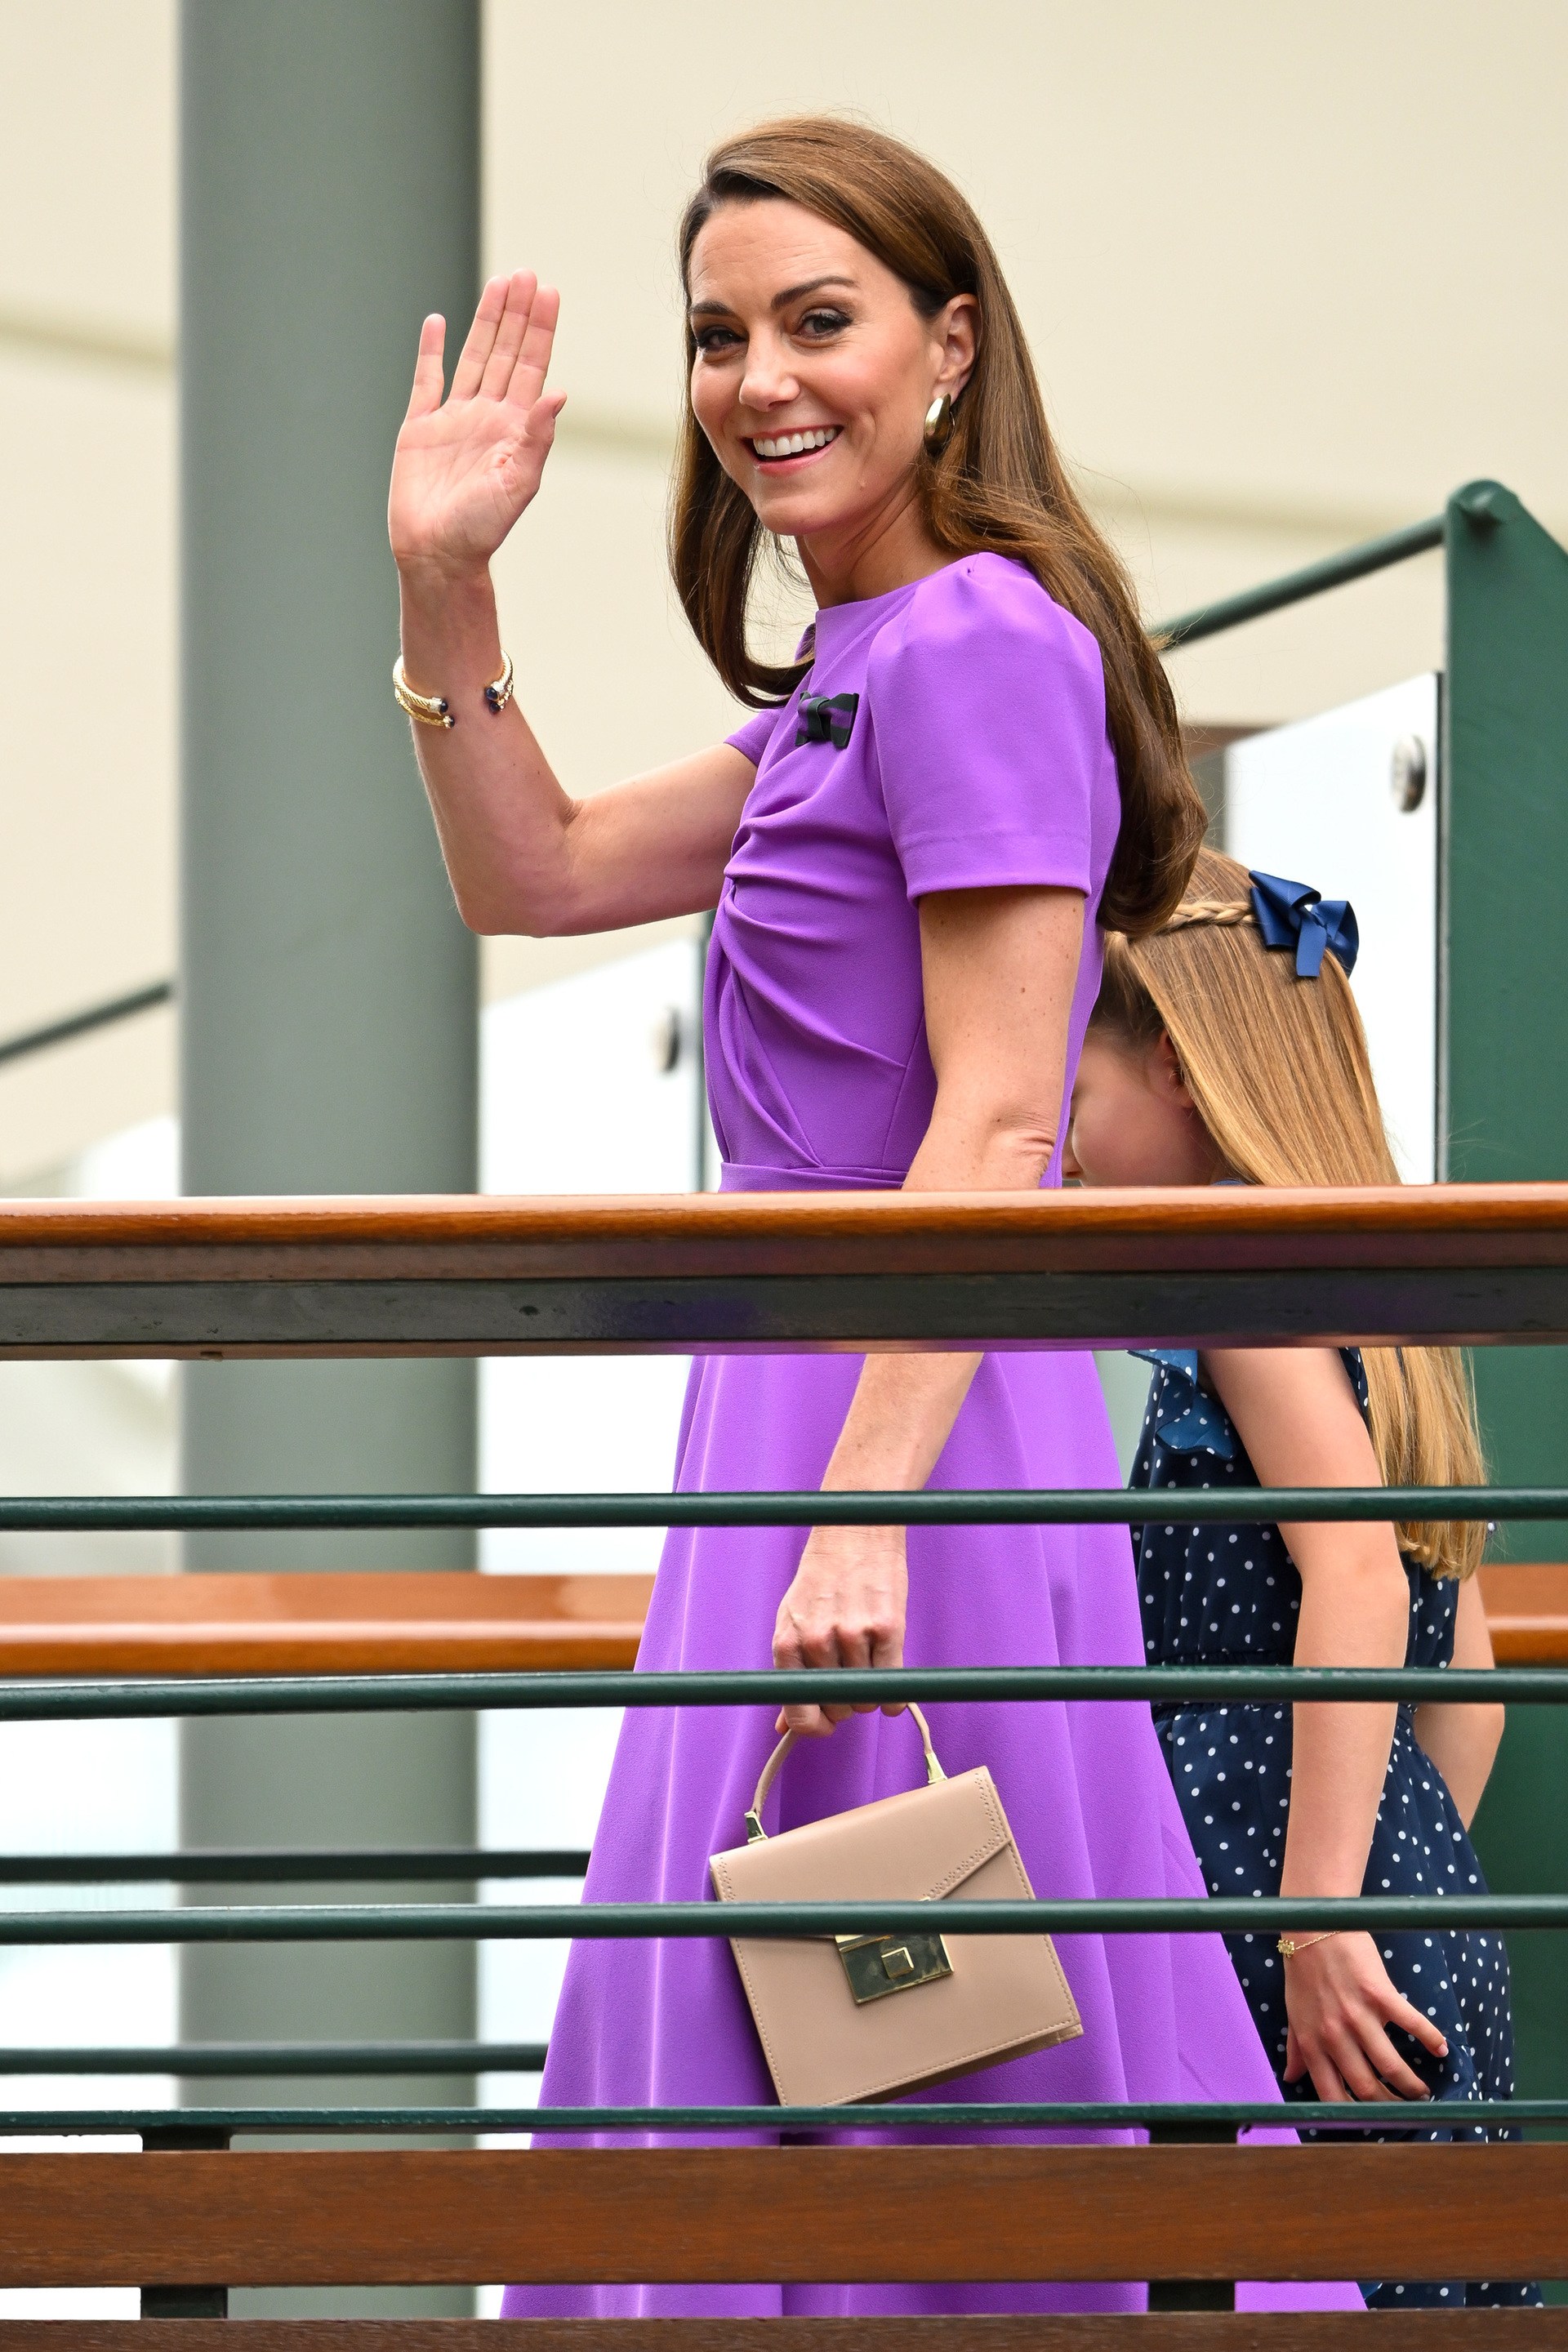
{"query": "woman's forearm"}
(504, 819)
(523, 854)
(905, 1405)
(999, 969)
(1354, 1612)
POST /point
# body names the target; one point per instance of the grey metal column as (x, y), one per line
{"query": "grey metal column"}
(329, 180)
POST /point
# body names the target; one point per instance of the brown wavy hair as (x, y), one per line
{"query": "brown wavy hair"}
(1279, 1070)
(998, 485)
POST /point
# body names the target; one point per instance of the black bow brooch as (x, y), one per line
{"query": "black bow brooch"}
(826, 718)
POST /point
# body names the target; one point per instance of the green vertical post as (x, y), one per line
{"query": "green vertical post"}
(328, 199)
(1504, 1020)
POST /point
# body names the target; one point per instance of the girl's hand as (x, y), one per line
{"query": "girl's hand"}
(1339, 1999)
(465, 468)
(845, 1608)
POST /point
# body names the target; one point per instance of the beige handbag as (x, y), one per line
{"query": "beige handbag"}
(844, 2018)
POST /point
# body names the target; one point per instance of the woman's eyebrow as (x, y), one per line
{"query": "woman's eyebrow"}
(780, 301)
(812, 286)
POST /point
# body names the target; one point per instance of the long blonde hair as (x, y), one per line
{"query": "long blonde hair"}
(1279, 1070)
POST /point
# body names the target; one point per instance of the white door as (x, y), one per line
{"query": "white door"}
(1348, 803)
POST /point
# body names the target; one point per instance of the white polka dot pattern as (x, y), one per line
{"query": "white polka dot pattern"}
(1233, 1595)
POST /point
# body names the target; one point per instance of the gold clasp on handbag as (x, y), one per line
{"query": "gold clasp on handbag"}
(879, 1965)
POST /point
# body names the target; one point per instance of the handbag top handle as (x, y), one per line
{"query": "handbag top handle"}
(754, 1829)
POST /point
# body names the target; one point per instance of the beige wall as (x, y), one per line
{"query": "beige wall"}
(1291, 276)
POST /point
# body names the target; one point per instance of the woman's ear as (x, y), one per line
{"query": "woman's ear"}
(958, 328)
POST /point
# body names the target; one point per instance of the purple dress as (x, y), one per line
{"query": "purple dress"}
(976, 756)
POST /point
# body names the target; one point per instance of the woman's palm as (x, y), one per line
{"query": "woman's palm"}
(466, 468)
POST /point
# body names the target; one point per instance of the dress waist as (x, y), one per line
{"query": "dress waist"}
(751, 1176)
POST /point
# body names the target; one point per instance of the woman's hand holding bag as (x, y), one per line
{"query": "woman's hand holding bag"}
(845, 1607)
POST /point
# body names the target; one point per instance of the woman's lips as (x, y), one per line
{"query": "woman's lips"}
(777, 451)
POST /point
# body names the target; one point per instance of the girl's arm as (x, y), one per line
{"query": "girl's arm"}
(998, 968)
(1298, 1417)
(1463, 1741)
(524, 856)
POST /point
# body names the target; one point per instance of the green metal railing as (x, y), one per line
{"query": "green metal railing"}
(357, 1923)
(1313, 579)
(210, 1866)
(16, 1048)
(112, 1699)
(1188, 2120)
(1002, 1507)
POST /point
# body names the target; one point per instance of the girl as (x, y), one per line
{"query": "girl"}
(1227, 1048)
(912, 843)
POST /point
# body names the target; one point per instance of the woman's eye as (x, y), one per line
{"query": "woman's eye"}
(821, 323)
(715, 340)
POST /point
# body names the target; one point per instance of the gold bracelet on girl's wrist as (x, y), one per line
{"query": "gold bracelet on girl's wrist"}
(434, 709)
(1289, 1945)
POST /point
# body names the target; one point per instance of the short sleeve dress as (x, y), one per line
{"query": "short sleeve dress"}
(951, 735)
(1233, 1595)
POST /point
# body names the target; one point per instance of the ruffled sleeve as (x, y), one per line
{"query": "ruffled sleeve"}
(988, 703)
(1183, 1416)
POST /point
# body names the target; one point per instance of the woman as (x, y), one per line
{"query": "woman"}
(974, 760)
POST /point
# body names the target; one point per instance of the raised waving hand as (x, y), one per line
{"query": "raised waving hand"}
(465, 466)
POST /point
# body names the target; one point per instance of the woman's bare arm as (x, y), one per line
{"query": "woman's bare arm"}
(523, 854)
(1463, 1741)
(999, 968)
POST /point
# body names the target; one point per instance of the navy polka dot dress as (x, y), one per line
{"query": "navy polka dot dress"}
(1232, 1594)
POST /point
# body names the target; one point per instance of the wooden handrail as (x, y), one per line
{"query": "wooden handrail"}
(396, 1622)
(485, 1275)
(578, 1235)
(370, 1622)
(1527, 1613)
(717, 2214)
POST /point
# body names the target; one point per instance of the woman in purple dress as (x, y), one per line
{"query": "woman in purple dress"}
(973, 761)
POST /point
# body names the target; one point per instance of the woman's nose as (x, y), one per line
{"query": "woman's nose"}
(768, 380)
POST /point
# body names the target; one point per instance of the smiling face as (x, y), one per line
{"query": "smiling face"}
(1132, 1120)
(813, 372)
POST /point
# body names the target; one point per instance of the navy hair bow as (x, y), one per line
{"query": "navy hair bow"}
(826, 718)
(1294, 915)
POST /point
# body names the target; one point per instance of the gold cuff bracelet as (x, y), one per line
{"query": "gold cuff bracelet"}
(434, 711)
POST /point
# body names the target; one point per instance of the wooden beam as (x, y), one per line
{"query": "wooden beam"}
(727, 2214)
(369, 1622)
(377, 1623)
(748, 1270)
(1527, 1613)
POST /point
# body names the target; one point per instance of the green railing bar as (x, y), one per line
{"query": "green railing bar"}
(200, 2060)
(209, 1867)
(1273, 595)
(1061, 2115)
(980, 1506)
(115, 1699)
(543, 1922)
(92, 1016)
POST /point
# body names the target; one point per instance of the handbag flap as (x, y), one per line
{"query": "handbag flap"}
(910, 1848)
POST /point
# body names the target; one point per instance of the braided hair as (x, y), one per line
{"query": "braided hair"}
(1278, 1071)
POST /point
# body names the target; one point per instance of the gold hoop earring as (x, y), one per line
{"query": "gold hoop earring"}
(939, 424)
